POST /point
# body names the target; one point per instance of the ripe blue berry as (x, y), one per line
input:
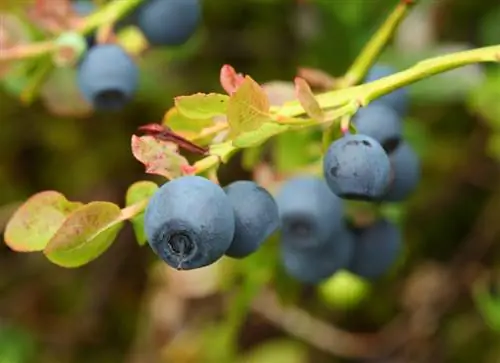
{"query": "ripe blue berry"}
(83, 7)
(313, 265)
(376, 248)
(256, 217)
(168, 22)
(189, 222)
(108, 77)
(310, 213)
(405, 165)
(380, 122)
(357, 167)
(397, 99)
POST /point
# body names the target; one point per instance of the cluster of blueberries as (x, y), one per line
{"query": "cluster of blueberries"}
(107, 76)
(192, 222)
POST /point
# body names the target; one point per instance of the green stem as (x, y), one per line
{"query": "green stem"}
(109, 13)
(374, 47)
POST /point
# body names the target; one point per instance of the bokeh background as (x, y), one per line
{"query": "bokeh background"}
(127, 307)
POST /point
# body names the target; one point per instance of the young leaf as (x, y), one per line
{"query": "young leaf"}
(202, 105)
(37, 220)
(85, 234)
(308, 100)
(185, 126)
(159, 157)
(260, 135)
(230, 80)
(137, 192)
(248, 108)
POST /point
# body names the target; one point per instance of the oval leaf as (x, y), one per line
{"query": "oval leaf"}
(85, 234)
(202, 105)
(248, 108)
(37, 220)
(138, 192)
(185, 126)
(159, 157)
(308, 100)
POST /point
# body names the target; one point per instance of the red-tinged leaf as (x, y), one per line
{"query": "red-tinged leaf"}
(159, 157)
(307, 99)
(248, 108)
(317, 78)
(85, 234)
(32, 226)
(230, 80)
(202, 105)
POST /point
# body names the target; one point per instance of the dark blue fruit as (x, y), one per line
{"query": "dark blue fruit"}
(376, 248)
(380, 122)
(313, 265)
(405, 165)
(397, 99)
(310, 213)
(357, 167)
(189, 222)
(256, 217)
(83, 7)
(168, 22)
(108, 77)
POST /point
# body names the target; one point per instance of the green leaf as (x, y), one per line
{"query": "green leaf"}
(159, 157)
(138, 192)
(308, 100)
(248, 108)
(202, 105)
(85, 234)
(484, 100)
(494, 145)
(185, 126)
(250, 157)
(293, 150)
(260, 135)
(37, 220)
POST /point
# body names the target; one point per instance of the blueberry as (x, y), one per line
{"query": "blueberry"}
(397, 99)
(256, 217)
(310, 213)
(108, 77)
(357, 167)
(83, 7)
(380, 122)
(189, 222)
(313, 265)
(405, 165)
(376, 248)
(168, 22)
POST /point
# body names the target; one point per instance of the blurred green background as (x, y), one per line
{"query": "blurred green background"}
(125, 307)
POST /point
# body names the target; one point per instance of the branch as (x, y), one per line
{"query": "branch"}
(376, 44)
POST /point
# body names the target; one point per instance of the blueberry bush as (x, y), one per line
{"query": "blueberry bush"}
(315, 238)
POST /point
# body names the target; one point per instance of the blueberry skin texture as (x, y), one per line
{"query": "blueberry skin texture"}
(376, 248)
(313, 265)
(405, 165)
(168, 22)
(189, 222)
(397, 99)
(256, 217)
(380, 122)
(108, 77)
(309, 212)
(357, 167)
